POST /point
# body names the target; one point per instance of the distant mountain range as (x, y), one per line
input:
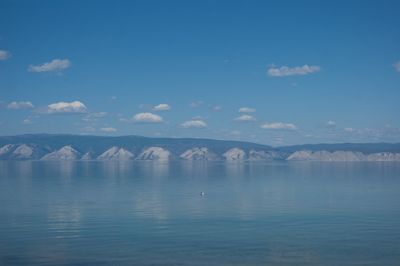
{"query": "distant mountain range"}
(123, 148)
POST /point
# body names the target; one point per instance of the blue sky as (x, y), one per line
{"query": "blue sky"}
(302, 71)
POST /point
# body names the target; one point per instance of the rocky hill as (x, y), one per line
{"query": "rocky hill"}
(125, 148)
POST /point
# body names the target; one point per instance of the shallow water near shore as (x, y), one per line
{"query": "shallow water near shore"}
(153, 213)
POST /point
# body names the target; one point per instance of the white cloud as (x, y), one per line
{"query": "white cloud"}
(113, 98)
(108, 129)
(98, 114)
(331, 124)
(54, 65)
(279, 126)
(397, 66)
(217, 108)
(94, 116)
(27, 121)
(4, 55)
(161, 107)
(245, 118)
(284, 71)
(147, 118)
(20, 105)
(349, 129)
(195, 104)
(89, 129)
(194, 124)
(75, 107)
(247, 110)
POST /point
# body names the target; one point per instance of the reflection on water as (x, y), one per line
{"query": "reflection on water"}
(64, 220)
(151, 213)
(154, 169)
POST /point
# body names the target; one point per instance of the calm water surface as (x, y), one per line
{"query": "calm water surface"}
(146, 213)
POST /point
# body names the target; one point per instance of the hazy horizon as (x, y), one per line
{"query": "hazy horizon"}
(155, 137)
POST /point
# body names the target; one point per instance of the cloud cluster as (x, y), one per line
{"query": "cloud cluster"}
(162, 107)
(4, 55)
(196, 123)
(245, 118)
(349, 129)
(217, 108)
(75, 107)
(20, 105)
(89, 129)
(330, 124)
(195, 104)
(147, 118)
(285, 71)
(54, 65)
(279, 126)
(108, 129)
(246, 110)
(387, 133)
(92, 117)
(27, 121)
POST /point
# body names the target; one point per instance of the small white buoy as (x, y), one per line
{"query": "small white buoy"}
(202, 193)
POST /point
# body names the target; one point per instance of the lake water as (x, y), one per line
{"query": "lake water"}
(147, 213)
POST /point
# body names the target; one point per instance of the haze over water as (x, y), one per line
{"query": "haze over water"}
(152, 213)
